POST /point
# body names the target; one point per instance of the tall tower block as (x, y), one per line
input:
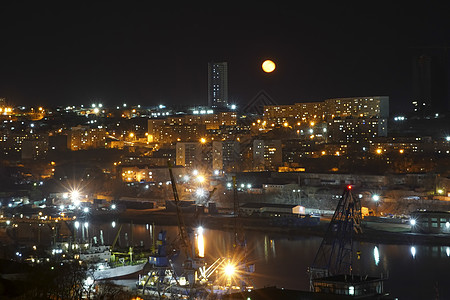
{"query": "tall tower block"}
(217, 84)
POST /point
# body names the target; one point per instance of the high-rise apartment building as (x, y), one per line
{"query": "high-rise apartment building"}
(430, 82)
(357, 107)
(218, 84)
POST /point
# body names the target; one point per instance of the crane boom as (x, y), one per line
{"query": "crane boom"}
(116, 238)
(185, 241)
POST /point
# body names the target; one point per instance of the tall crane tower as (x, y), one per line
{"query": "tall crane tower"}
(335, 253)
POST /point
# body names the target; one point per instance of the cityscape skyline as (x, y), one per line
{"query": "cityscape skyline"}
(302, 145)
(159, 54)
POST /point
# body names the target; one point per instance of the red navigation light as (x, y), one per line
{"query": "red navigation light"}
(349, 187)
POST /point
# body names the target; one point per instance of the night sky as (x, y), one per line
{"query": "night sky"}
(79, 52)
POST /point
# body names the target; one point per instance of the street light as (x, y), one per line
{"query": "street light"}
(75, 197)
(201, 178)
(376, 198)
(200, 192)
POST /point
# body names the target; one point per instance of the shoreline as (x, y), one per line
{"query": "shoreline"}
(390, 234)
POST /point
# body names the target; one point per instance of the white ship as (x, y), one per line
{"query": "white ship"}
(102, 264)
(106, 271)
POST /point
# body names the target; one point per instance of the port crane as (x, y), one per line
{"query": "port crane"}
(185, 242)
(335, 253)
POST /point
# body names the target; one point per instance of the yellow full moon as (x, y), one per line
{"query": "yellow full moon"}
(268, 66)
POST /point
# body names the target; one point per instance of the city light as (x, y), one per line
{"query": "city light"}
(229, 269)
(201, 178)
(75, 197)
(200, 192)
(412, 222)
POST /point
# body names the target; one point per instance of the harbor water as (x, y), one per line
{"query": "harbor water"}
(411, 271)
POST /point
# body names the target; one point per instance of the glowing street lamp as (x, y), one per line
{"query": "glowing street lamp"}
(75, 197)
(201, 178)
(200, 192)
(376, 198)
(229, 270)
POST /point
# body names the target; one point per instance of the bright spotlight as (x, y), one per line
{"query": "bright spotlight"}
(412, 222)
(229, 270)
(75, 197)
(201, 178)
(375, 198)
(200, 192)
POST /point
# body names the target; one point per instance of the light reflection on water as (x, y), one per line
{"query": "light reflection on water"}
(414, 271)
